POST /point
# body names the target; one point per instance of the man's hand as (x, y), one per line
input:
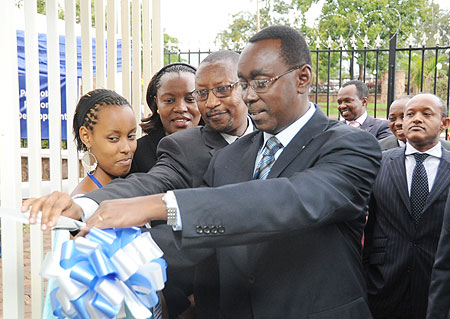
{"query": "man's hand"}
(127, 212)
(52, 206)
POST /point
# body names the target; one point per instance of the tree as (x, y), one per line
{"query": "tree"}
(362, 19)
(244, 23)
(171, 46)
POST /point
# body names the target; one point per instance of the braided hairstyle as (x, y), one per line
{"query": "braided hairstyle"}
(153, 122)
(88, 107)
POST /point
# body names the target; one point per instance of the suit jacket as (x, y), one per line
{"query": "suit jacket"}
(145, 156)
(183, 159)
(389, 142)
(392, 142)
(398, 255)
(376, 127)
(289, 246)
(439, 298)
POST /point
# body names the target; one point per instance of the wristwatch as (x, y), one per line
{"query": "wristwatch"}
(171, 208)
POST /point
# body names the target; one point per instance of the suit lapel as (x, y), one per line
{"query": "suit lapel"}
(442, 179)
(315, 126)
(213, 139)
(398, 174)
(248, 156)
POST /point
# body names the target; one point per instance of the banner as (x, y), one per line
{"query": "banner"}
(43, 107)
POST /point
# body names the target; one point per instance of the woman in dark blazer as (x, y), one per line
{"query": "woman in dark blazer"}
(173, 108)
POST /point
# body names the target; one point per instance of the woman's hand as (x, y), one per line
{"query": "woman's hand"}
(52, 206)
(127, 212)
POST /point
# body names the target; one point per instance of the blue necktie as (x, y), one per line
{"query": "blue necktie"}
(268, 158)
(419, 187)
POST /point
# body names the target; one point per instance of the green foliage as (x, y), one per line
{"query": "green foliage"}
(346, 18)
(171, 45)
(244, 24)
(429, 68)
(44, 144)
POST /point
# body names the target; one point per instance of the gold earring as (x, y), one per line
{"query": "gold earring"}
(157, 111)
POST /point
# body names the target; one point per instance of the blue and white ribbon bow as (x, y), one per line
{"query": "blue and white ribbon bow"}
(97, 275)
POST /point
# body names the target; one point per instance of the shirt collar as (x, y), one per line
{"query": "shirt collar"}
(286, 135)
(435, 151)
(360, 119)
(232, 138)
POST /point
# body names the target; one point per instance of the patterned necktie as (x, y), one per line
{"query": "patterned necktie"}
(354, 124)
(419, 187)
(268, 158)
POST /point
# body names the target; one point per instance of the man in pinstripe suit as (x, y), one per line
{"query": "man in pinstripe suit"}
(402, 233)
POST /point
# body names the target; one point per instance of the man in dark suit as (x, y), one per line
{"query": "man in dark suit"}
(287, 236)
(183, 159)
(182, 162)
(352, 101)
(439, 297)
(405, 214)
(395, 120)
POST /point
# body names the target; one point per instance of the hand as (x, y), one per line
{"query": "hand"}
(52, 206)
(127, 212)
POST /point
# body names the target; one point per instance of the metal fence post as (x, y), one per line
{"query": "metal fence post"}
(391, 70)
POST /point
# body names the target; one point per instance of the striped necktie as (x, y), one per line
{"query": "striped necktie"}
(268, 158)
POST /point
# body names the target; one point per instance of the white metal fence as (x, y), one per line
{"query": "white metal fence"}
(125, 19)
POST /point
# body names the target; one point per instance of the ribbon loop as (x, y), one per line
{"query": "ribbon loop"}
(97, 275)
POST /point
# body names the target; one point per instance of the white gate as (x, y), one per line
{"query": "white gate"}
(127, 20)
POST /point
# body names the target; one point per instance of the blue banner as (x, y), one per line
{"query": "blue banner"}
(43, 107)
(43, 75)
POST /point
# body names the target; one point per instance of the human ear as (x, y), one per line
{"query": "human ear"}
(364, 101)
(304, 77)
(445, 123)
(85, 136)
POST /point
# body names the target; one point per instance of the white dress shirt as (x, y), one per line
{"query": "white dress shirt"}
(360, 119)
(286, 135)
(431, 163)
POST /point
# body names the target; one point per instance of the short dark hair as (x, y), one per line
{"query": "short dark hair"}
(153, 122)
(294, 49)
(87, 109)
(222, 56)
(361, 88)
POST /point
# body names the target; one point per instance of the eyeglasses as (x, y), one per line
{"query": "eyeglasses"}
(261, 86)
(218, 91)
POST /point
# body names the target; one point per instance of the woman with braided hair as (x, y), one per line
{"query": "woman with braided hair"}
(105, 129)
(173, 108)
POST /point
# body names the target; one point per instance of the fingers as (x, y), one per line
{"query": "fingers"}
(26, 206)
(83, 232)
(95, 220)
(51, 207)
(55, 205)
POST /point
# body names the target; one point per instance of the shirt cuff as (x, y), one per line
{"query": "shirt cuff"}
(88, 206)
(171, 201)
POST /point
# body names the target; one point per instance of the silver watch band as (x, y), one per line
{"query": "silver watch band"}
(171, 209)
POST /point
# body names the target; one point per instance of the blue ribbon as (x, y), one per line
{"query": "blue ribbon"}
(110, 267)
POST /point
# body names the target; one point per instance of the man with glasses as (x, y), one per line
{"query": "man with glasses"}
(286, 209)
(182, 162)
